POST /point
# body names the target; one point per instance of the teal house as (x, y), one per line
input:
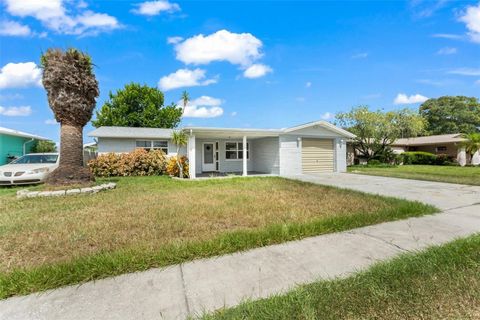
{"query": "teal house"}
(15, 144)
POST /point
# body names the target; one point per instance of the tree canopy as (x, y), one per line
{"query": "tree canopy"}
(44, 146)
(377, 130)
(137, 106)
(448, 114)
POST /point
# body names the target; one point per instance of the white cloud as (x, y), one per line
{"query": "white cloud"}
(16, 111)
(51, 121)
(447, 36)
(184, 78)
(447, 51)
(471, 18)
(54, 15)
(327, 116)
(405, 99)
(465, 72)
(174, 40)
(300, 99)
(203, 107)
(308, 84)
(477, 82)
(12, 28)
(233, 114)
(361, 55)
(256, 71)
(20, 75)
(153, 8)
(237, 48)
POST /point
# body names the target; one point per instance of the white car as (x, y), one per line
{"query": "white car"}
(29, 169)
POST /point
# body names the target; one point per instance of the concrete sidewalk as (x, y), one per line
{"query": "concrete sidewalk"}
(209, 284)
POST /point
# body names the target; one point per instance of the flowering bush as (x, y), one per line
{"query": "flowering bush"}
(137, 163)
(172, 167)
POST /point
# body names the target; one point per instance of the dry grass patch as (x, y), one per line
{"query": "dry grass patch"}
(156, 221)
(150, 212)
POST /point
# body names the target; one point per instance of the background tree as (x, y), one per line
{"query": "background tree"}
(180, 139)
(185, 100)
(71, 89)
(137, 106)
(447, 114)
(44, 146)
(377, 130)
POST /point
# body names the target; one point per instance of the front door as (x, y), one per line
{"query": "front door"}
(208, 163)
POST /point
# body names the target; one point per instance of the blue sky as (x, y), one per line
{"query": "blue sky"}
(266, 64)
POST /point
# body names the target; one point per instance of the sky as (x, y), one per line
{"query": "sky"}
(258, 64)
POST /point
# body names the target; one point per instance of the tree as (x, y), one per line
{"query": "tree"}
(44, 146)
(447, 114)
(472, 144)
(185, 100)
(137, 106)
(180, 139)
(377, 130)
(71, 89)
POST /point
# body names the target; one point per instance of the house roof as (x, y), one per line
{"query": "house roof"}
(427, 140)
(153, 133)
(131, 132)
(17, 133)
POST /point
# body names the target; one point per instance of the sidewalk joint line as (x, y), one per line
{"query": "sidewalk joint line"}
(380, 239)
(184, 286)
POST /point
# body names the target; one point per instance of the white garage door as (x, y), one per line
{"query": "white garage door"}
(317, 155)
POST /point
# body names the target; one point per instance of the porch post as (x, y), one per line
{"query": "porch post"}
(461, 156)
(244, 155)
(191, 156)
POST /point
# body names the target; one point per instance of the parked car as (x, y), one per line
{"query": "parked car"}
(29, 169)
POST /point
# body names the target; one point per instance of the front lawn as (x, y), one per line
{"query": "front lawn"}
(451, 174)
(156, 221)
(440, 283)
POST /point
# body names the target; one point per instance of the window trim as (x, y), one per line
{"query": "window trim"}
(151, 145)
(237, 150)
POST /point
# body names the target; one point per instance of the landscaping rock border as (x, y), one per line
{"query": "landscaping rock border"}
(58, 193)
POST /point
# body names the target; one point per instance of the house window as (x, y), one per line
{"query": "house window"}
(153, 144)
(234, 150)
(441, 149)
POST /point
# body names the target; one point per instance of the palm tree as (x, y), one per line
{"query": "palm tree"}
(185, 99)
(472, 144)
(180, 139)
(71, 89)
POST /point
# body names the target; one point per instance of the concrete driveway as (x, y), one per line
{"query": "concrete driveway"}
(442, 195)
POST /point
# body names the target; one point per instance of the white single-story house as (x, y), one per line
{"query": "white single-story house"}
(313, 147)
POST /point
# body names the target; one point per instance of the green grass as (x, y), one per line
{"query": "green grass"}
(439, 283)
(450, 174)
(156, 221)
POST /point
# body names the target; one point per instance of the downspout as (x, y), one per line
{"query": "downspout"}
(25, 144)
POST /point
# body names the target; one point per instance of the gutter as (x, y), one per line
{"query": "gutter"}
(25, 144)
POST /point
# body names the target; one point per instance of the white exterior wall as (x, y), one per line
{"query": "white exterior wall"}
(290, 155)
(340, 155)
(266, 157)
(224, 165)
(119, 145)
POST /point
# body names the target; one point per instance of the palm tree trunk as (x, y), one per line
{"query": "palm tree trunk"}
(70, 169)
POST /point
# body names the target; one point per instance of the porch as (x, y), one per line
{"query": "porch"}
(216, 152)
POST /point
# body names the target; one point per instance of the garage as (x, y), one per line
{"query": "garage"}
(317, 155)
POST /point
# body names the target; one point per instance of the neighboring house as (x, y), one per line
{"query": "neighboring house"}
(309, 148)
(448, 144)
(14, 144)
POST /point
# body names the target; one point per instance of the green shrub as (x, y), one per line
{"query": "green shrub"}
(374, 162)
(137, 163)
(443, 160)
(419, 157)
